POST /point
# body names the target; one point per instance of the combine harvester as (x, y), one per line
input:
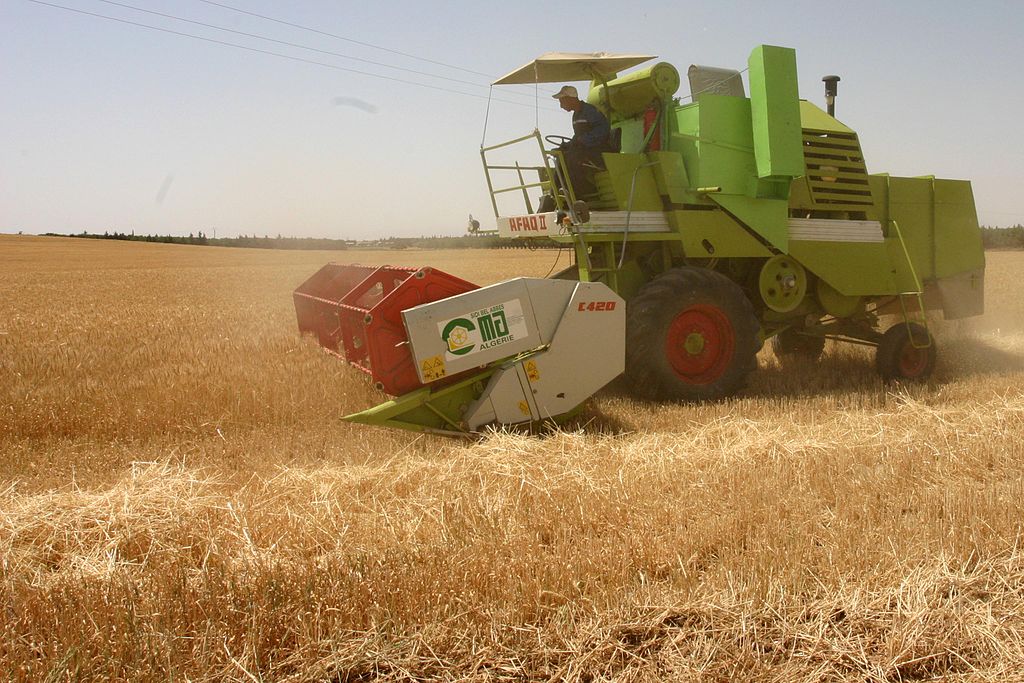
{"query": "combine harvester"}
(718, 223)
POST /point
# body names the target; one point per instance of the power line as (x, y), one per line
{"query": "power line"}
(374, 46)
(349, 40)
(272, 53)
(296, 45)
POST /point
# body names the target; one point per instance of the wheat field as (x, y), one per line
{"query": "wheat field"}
(180, 502)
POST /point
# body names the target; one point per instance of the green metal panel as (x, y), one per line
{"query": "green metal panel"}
(852, 268)
(714, 234)
(902, 276)
(880, 191)
(683, 130)
(911, 206)
(775, 110)
(622, 170)
(630, 278)
(938, 221)
(958, 246)
(605, 198)
(812, 117)
(800, 194)
(726, 144)
(670, 174)
(767, 217)
(428, 409)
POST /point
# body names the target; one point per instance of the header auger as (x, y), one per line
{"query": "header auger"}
(711, 226)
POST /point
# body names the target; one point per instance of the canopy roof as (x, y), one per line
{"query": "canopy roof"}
(561, 67)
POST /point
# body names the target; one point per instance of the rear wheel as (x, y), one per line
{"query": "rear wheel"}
(906, 352)
(691, 335)
(791, 346)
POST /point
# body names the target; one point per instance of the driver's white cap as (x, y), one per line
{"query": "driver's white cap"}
(566, 91)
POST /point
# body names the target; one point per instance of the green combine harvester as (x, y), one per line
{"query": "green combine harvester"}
(716, 224)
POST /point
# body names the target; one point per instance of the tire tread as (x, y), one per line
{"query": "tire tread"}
(649, 314)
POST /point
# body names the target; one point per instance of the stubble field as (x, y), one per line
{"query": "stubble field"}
(179, 500)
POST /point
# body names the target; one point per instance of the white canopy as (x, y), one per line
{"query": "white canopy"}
(562, 67)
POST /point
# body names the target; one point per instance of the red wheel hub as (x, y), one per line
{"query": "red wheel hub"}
(913, 362)
(700, 344)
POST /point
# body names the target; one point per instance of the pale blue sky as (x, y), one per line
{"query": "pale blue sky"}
(107, 126)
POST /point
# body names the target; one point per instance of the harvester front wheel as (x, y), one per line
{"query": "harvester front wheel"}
(691, 335)
(906, 352)
(791, 346)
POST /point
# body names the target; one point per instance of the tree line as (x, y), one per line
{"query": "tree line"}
(312, 243)
(992, 238)
(1003, 238)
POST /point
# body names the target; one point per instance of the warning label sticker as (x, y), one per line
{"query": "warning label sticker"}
(532, 373)
(432, 368)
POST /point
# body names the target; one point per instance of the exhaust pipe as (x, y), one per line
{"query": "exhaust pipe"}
(831, 90)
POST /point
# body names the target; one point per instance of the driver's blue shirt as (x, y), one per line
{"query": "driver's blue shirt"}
(590, 127)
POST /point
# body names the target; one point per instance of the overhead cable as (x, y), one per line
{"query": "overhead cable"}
(272, 53)
(349, 40)
(296, 45)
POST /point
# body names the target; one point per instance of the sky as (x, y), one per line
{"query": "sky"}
(110, 126)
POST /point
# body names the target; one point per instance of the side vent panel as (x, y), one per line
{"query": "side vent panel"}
(836, 173)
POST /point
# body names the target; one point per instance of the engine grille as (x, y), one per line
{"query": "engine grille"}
(836, 173)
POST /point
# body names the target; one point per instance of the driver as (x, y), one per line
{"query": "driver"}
(591, 132)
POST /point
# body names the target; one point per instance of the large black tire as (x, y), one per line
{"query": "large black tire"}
(898, 359)
(791, 347)
(691, 335)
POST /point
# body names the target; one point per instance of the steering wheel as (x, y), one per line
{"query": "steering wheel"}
(557, 140)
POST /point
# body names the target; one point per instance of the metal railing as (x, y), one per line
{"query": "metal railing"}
(551, 176)
(918, 295)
